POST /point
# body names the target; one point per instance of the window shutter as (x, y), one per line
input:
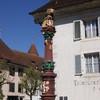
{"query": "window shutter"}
(99, 26)
(77, 64)
(77, 29)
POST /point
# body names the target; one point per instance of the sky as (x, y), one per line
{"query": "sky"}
(18, 30)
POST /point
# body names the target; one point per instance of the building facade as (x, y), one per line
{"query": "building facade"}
(76, 49)
(16, 62)
(13, 90)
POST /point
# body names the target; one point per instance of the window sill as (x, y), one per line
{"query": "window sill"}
(91, 75)
(90, 39)
(79, 74)
(11, 92)
(77, 39)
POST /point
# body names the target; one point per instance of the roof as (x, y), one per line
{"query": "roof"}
(7, 54)
(20, 58)
(58, 4)
(33, 50)
(29, 59)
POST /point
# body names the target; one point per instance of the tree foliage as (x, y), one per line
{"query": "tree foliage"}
(4, 77)
(31, 81)
(1, 94)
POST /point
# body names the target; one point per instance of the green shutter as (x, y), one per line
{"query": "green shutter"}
(77, 64)
(77, 30)
(99, 26)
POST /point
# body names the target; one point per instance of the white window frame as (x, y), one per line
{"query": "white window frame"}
(91, 28)
(98, 27)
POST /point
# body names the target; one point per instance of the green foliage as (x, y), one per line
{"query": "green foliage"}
(1, 94)
(2, 65)
(4, 79)
(2, 76)
(12, 70)
(31, 81)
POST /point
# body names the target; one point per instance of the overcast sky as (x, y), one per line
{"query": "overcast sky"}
(18, 27)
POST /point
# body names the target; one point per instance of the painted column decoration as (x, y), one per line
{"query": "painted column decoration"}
(48, 76)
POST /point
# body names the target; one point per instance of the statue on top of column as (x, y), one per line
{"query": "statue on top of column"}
(47, 24)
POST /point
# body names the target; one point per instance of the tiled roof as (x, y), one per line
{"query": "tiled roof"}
(20, 58)
(33, 50)
(29, 59)
(7, 54)
(59, 3)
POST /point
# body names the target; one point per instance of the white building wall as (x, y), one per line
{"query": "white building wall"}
(37, 96)
(87, 86)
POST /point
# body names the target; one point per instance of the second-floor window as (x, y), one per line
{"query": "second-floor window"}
(12, 71)
(91, 28)
(20, 72)
(86, 28)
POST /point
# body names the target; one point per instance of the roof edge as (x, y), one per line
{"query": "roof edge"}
(44, 9)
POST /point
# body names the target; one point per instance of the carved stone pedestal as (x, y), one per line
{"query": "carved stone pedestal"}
(48, 78)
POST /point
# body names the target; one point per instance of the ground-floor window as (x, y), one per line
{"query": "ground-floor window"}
(20, 88)
(92, 63)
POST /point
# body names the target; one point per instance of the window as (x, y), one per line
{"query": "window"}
(20, 72)
(21, 98)
(20, 89)
(63, 98)
(92, 63)
(12, 71)
(60, 98)
(11, 87)
(91, 28)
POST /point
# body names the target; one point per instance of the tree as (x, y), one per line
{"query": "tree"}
(31, 81)
(4, 77)
(1, 94)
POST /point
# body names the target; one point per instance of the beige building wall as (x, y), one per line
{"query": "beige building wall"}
(14, 79)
